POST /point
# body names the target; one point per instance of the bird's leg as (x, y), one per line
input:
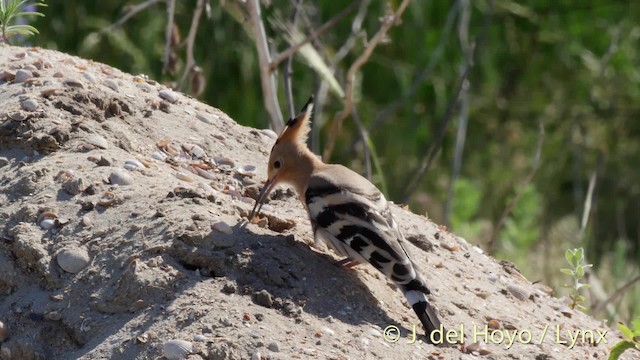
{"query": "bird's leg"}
(348, 263)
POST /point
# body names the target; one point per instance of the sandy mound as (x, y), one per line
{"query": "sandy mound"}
(112, 246)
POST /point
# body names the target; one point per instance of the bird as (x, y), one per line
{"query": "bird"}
(347, 212)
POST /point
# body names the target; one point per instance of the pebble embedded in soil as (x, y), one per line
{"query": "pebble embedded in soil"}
(23, 75)
(273, 346)
(120, 177)
(73, 260)
(110, 83)
(223, 227)
(168, 95)
(264, 298)
(29, 105)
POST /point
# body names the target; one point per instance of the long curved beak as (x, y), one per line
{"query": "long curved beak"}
(266, 189)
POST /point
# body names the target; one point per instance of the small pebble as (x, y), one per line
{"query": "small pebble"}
(73, 83)
(144, 87)
(73, 260)
(54, 316)
(273, 346)
(200, 337)
(47, 223)
(328, 331)
(264, 298)
(374, 332)
(168, 95)
(205, 118)
(89, 76)
(23, 75)
(159, 156)
(120, 177)
(98, 141)
(29, 105)
(133, 164)
(223, 227)
(111, 84)
(518, 292)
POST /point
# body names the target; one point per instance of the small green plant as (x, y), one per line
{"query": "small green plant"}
(578, 265)
(631, 341)
(11, 9)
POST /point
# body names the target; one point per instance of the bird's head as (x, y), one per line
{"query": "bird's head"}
(284, 160)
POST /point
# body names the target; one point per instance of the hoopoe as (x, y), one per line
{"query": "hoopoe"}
(347, 212)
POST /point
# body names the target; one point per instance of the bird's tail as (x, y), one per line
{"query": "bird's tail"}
(426, 313)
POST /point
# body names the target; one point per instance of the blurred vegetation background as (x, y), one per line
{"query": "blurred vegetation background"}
(530, 110)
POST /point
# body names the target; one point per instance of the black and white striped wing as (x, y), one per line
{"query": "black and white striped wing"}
(353, 218)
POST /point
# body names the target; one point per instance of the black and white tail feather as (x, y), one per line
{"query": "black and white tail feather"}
(352, 216)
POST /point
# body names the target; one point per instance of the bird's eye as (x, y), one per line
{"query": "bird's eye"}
(277, 164)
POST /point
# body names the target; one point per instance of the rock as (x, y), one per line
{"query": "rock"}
(74, 186)
(111, 84)
(23, 75)
(168, 95)
(264, 298)
(98, 141)
(120, 177)
(73, 260)
(273, 346)
(29, 104)
(4, 162)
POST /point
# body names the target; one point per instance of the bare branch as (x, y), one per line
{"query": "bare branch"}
(133, 10)
(587, 205)
(267, 77)
(388, 20)
(171, 9)
(288, 88)
(534, 168)
(616, 294)
(193, 30)
(314, 34)
(463, 115)
(356, 31)
(365, 140)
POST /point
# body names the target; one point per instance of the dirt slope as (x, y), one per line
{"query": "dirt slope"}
(96, 176)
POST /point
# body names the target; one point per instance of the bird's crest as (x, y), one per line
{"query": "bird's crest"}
(297, 128)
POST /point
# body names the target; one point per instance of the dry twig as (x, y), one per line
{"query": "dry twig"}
(279, 58)
(463, 115)
(133, 10)
(267, 76)
(191, 38)
(171, 10)
(288, 87)
(616, 294)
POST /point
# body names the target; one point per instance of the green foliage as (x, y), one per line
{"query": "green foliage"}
(578, 265)
(465, 208)
(631, 339)
(12, 9)
(521, 229)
